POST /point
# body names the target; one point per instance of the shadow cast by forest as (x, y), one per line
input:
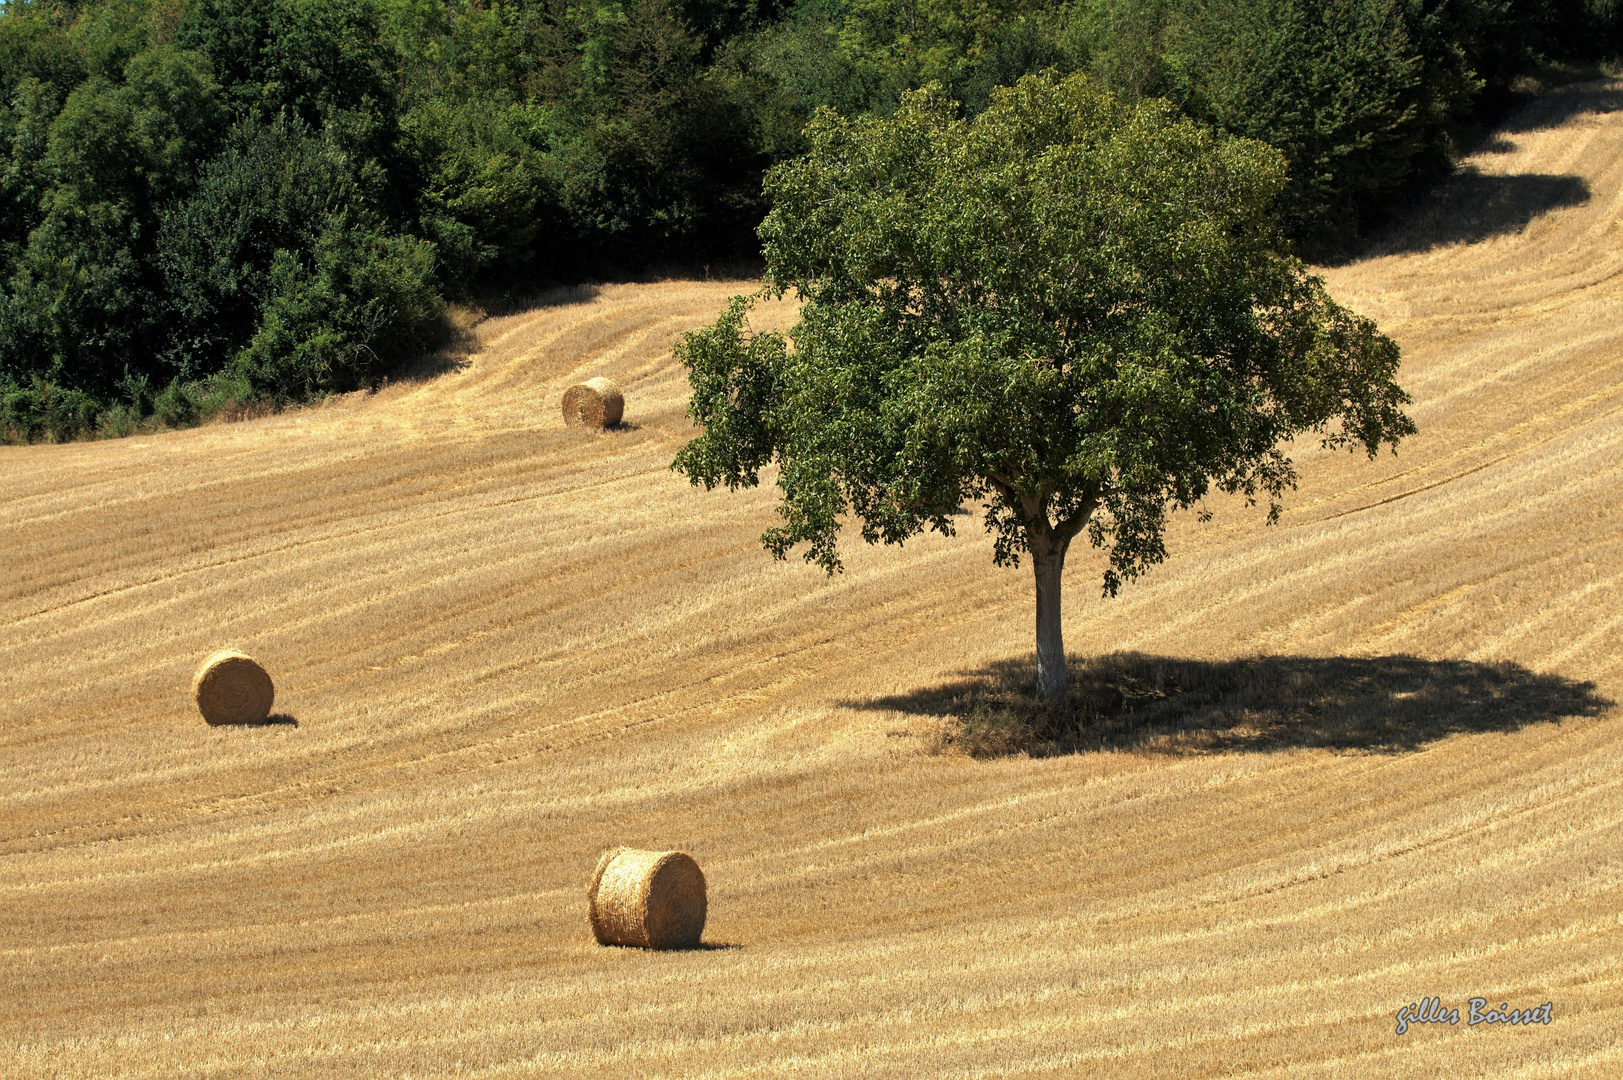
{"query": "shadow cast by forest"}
(432, 365)
(1157, 704)
(459, 336)
(550, 296)
(1556, 107)
(1472, 206)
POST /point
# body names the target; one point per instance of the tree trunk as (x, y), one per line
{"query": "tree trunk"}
(1048, 561)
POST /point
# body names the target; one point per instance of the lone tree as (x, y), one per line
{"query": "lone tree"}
(1078, 312)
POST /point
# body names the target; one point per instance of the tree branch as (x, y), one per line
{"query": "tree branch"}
(1070, 526)
(1003, 484)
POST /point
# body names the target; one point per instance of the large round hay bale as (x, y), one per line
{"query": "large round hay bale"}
(651, 899)
(231, 688)
(595, 403)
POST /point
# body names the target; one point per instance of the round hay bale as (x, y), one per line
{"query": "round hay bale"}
(651, 899)
(231, 688)
(595, 403)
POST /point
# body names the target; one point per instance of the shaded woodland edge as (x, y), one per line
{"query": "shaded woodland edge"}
(220, 206)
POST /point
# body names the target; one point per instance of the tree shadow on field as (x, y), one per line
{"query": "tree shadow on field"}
(1162, 705)
(1472, 206)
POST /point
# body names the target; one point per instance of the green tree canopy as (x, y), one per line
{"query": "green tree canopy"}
(1075, 311)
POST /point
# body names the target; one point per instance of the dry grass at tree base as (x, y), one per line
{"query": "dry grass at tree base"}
(1326, 768)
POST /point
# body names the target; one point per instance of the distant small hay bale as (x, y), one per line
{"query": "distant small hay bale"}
(595, 403)
(231, 688)
(650, 899)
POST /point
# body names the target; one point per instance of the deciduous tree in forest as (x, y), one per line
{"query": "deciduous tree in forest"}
(1078, 312)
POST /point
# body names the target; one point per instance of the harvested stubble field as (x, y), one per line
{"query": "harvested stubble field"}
(501, 647)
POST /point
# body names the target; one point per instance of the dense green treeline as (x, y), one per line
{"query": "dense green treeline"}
(1361, 95)
(213, 200)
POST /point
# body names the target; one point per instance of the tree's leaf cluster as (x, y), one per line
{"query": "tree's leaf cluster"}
(1073, 309)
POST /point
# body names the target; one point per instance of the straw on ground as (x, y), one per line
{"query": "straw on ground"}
(509, 647)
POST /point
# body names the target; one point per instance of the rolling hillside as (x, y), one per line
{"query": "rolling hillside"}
(501, 646)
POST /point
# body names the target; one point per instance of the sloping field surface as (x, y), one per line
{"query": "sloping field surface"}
(501, 646)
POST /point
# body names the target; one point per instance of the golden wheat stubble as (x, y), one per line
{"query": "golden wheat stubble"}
(515, 647)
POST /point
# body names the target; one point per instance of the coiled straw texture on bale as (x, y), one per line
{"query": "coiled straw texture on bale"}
(650, 899)
(231, 688)
(595, 403)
